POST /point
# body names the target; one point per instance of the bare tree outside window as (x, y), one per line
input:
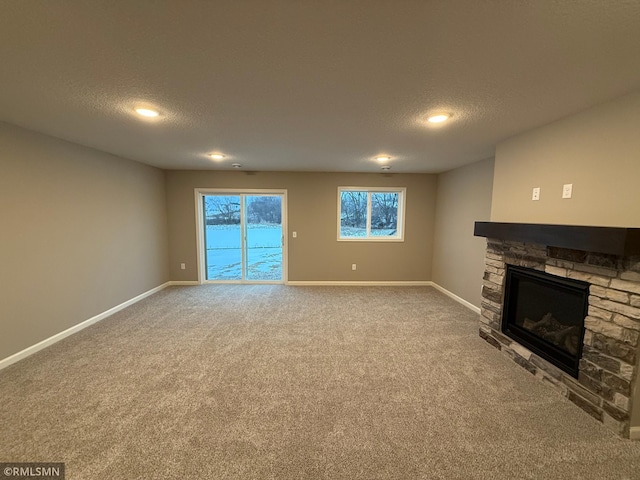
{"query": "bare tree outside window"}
(222, 210)
(384, 214)
(264, 209)
(353, 214)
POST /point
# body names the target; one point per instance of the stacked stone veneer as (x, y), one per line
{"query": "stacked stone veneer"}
(607, 373)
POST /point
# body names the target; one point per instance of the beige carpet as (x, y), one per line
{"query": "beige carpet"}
(275, 382)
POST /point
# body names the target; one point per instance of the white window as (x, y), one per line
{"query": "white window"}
(371, 214)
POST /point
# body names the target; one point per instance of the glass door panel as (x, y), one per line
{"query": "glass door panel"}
(223, 237)
(263, 233)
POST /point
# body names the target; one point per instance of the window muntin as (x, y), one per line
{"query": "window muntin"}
(371, 214)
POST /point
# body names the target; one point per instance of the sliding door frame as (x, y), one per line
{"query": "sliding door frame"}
(200, 193)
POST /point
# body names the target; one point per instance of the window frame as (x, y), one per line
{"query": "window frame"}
(402, 194)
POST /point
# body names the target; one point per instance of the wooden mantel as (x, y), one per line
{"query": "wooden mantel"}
(611, 240)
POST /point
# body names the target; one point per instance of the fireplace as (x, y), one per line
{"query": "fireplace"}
(547, 288)
(546, 314)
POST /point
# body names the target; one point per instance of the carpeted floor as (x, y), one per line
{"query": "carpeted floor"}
(275, 382)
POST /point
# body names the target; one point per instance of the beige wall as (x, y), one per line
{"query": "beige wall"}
(598, 151)
(464, 197)
(315, 255)
(82, 231)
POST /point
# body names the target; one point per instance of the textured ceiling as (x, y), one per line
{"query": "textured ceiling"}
(322, 85)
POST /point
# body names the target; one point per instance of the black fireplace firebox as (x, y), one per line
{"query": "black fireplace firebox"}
(545, 314)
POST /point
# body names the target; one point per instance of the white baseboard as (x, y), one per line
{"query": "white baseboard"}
(323, 283)
(76, 328)
(182, 282)
(634, 433)
(458, 299)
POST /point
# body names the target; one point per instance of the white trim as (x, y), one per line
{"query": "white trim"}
(176, 283)
(200, 246)
(458, 299)
(322, 283)
(76, 328)
(634, 433)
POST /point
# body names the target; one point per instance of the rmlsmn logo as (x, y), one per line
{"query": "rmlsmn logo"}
(28, 471)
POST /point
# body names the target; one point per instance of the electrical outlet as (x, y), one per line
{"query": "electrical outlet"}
(294, 234)
(183, 266)
(536, 194)
(567, 190)
(353, 266)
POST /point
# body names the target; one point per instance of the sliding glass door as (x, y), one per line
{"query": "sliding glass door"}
(243, 237)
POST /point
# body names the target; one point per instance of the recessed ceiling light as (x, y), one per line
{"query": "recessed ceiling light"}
(236, 165)
(216, 156)
(439, 118)
(147, 112)
(383, 158)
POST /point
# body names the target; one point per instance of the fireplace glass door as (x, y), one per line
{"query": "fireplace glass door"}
(546, 314)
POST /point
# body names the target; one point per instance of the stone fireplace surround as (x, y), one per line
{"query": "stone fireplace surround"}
(609, 260)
